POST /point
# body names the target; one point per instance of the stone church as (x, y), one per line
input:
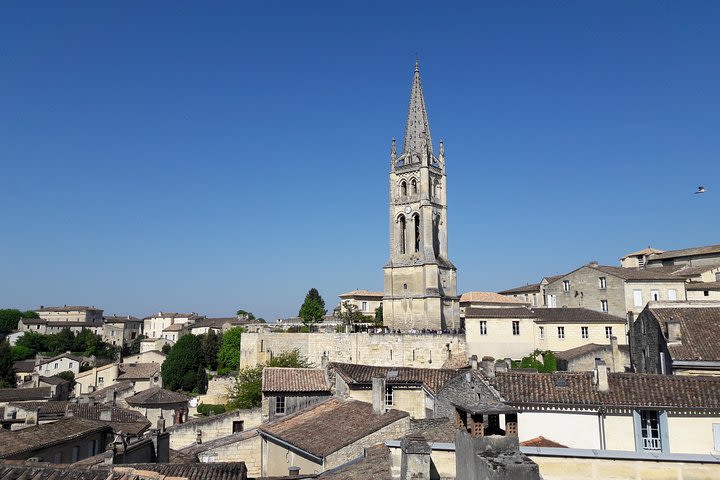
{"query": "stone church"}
(420, 280)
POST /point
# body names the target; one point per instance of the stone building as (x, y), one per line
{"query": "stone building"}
(420, 280)
(288, 390)
(154, 325)
(156, 403)
(532, 293)
(365, 301)
(120, 330)
(79, 314)
(694, 256)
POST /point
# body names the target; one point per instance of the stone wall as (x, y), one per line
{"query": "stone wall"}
(248, 450)
(420, 350)
(212, 427)
(566, 468)
(356, 450)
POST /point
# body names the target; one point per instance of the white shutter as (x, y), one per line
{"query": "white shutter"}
(637, 298)
(672, 294)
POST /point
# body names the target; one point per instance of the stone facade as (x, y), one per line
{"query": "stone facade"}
(420, 280)
(75, 314)
(428, 350)
(213, 427)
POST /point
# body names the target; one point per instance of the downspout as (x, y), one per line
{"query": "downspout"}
(601, 427)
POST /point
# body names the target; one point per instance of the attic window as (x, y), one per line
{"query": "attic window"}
(561, 383)
(392, 374)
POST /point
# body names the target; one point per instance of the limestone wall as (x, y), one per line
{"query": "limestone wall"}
(564, 468)
(393, 431)
(248, 451)
(212, 427)
(428, 351)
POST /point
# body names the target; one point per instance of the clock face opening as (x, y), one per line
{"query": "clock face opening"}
(408, 209)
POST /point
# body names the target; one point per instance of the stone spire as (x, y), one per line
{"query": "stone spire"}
(417, 129)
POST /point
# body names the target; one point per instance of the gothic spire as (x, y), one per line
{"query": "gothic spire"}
(417, 129)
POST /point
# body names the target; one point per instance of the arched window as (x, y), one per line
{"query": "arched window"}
(401, 236)
(403, 188)
(416, 222)
(413, 186)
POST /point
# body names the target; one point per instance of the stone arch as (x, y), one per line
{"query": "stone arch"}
(402, 233)
(403, 188)
(416, 232)
(413, 186)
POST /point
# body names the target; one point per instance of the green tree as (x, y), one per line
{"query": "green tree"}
(33, 341)
(9, 318)
(69, 376)
(211, 346)
(20, 352)
(543, 362)
(352, 314)
(247, 392)
(134, 347)
(243, 313)
(228, 357)
(180, 369)
(63, 341)
(7, 372)
(313, 308)
(379, 316)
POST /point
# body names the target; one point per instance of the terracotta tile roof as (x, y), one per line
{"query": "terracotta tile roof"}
(541, 442)
(156, 396)
(218, 322)
(192, 471)
(46, 408)
(196, 449)
(486, 297)
(644, 251)
(586, 349)
(375, 465)
(529, 288)
(326, 427)
(174, 315)
(691, 271)
(121, 419)
(46, 435)
(200, 421)
(276, 379)
(138, 371)
(42, 471)
(699, 331)
(438, 430)
(686, 252)
(362, 293)
(432, 378)
(700, 286)
(69, 308)
(20, 394)
(574, 315)
(506, 312)
(92, 371)
(626, 390)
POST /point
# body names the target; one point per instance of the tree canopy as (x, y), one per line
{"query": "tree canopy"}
(246, 314)
(183, 369)
(211, 347)
(228, 356)
(7, 372)
(9, 318)
(247, 392)
(85, 343)
(352, 314)
(379, 316)
(313, 308)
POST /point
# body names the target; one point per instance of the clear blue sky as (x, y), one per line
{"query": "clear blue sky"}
(207, 156)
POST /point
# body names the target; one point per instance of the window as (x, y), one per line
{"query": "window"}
(403, 188)
(650, 430)
(413, 186)
(655, 295)
(566, 285)
(516, 327)
(388, 396)
(637, 298)
(57, 458)
(483, 327)
(92, 445)
(716, 437)
(534, 300)
(75, 454)
(608, 332)
(542, 332)
(561, 333)
(238, 426)
(401, 221)
(706, 293)
(604, 305)
(603, 282)
(280, 405)
(56, 365)
(69, 364)
(416, 223)
(363, 306)
(672, 294)
(584, 333)
(101, 380)
(552, 301)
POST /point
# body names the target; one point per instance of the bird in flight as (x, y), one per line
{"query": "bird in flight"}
(700, 189)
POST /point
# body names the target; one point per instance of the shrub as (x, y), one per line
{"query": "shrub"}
(206, 409)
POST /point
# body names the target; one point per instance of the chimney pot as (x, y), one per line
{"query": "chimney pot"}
(294, 471)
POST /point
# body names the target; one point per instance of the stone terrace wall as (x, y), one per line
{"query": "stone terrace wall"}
(401, 350)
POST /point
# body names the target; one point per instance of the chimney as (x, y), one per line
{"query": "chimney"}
(601, 376)
(105, 415)
(378, 395)
(35, 379)
(501, 366)
(594, 263)
(672, 331)
(415, 460)
(161, 423)
(474, 362)
(33, 416)
(615, 353)
(324, 360)
(110, 396)
(488, 367)
(198, 437)
(293, 471)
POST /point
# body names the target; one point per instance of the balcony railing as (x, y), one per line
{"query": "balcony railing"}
(651, 444)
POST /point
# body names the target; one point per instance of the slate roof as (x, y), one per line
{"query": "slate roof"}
(585, 350)
(432, 378)
(46, 435)
(507, 312)
(277, 379)
(529, 288)
(156, 396)
(196, 449)
(375, 465)
(541, 442)
(135, 371)
(326, 427)
(574, 315)
(686, 252)
(20, 394)
(701, 286)
(486, 297)
(626, 390)
(361, 293)
(121, 419)
(699, 331)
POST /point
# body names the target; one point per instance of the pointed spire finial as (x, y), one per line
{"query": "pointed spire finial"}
(417, 129)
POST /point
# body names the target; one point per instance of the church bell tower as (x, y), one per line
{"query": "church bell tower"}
(420, 280)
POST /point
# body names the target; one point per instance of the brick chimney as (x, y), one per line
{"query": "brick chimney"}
(601, 376)
(378, 395)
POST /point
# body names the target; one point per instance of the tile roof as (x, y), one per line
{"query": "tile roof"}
(626, 390)
(277, 379)
(328, 426)
(121, 419)
(541, 442)
(437, 430)
(156, 396)
(46, 435)
(701, 286)
(196, 449)
(644, 251)
(191, 471)
(58, 357)
(121, 319)
(53, 380)
(200, 421)
(69, 308)
(46, 408)
(634, 274)
(118, 387)
(24, 365)
(690, 271)
(375, 465)
(132, 371)
(174, 315)
(362, 293)
(585, 350)
(502, 312)
(432, 378)
(686, 252)
(529, 288)
(218, 322)
(574, 315)
(699, 331)
(486, 297)
(175, 327)
(20, 394)
(43, 471)
(92, 371)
